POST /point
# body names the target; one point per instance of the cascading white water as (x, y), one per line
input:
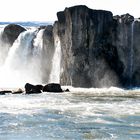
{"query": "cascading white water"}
(21, 50)
(38, 43)
(3, 48)
(23, 61)
(55, 72)
(132, 50)
(37, 55)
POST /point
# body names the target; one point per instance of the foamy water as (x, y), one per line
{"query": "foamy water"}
(81, 114)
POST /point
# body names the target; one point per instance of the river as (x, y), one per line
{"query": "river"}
(81, 114)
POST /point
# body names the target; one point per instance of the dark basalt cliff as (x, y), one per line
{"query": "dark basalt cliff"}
(11, 32)
(89, 56)
(127, 40)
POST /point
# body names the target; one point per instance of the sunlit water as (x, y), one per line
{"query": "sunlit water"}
(82, 114)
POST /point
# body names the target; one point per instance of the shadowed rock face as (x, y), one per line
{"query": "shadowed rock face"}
(122, 41)
(11, 32)
(127, 40)
(136, 55)
(89, 58)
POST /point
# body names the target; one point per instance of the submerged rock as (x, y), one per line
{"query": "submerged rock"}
(52, 87)
(67, 90)
(30, 89)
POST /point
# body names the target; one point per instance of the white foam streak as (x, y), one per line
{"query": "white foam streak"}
(112, 91)
(38, 42)
(70, 103)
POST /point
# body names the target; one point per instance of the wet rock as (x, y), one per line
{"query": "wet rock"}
(3, 92)
(127, 18)
(30, 89)
(67, 90)
(126, 38)
(11, 32)
(52, 87)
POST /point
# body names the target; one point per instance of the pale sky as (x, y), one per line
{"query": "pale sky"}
(45, 10)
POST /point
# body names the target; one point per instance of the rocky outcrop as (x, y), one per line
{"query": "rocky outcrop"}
(11, 32)
(89, 58)
(30, 89)
(52, 87)
(48, 51)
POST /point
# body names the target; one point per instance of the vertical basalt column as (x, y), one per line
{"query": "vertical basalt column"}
(88, 57)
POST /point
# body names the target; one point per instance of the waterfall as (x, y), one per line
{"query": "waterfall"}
(131, 51)
(3, 48)
(55, 72)
(23, 61)
(38, 43)
(21, 50)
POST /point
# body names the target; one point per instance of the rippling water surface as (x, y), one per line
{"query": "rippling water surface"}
(82, 114)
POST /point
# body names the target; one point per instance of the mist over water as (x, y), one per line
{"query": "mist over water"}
(4, 48)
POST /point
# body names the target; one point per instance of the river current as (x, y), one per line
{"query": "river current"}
(81, 114)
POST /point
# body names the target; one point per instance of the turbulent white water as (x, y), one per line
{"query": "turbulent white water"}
(81, 114)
